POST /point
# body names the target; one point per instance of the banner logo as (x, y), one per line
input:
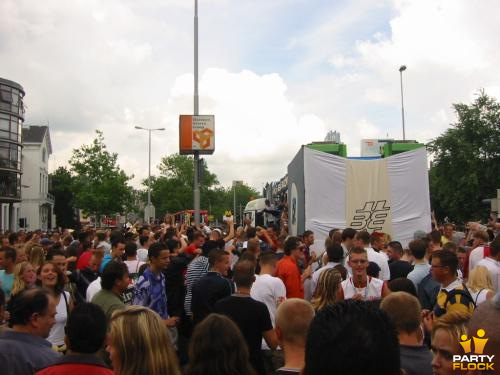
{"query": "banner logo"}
(476, 361)
(371, 217)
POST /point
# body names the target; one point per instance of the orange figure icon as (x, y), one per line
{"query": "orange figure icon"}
(479, 343)
(466, 344)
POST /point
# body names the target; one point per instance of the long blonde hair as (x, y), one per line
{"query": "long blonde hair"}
(327, 288)
(479, 278)
(142, 343)
(19, 285)
(36, 257)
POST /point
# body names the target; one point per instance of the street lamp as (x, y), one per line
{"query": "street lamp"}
(149, 211)
(402, 68)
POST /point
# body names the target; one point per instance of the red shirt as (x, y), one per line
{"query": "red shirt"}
(288, 271)
(74, 365)
(190, 249)
(84, 260)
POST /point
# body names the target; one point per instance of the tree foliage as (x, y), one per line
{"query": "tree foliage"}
(172, 190)
(100, 186)
(466, 161)
(61, 183)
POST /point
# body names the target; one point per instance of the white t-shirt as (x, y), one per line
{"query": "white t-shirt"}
(93, 288)
(271, 291)
(381, 260)
(475, 256)
(133, 266)
(56, 335)
(371, 292)
(480, 296)
(142, 255)
(494, 267)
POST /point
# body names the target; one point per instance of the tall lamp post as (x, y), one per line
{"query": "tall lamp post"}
(149, 211)
(196, 182)
(402, 68)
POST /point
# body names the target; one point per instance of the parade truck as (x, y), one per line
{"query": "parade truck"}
(387, 193)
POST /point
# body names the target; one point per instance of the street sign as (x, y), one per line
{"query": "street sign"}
(196, 134)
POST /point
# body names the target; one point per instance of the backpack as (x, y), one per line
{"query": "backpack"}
(464, 293)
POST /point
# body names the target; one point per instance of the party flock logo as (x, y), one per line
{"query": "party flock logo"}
(476, 361)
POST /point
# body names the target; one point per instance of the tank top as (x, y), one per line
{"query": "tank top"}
(372, 291)
(56, 335)
(480, 296)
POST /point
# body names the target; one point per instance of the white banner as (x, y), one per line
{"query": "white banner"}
(398, 188)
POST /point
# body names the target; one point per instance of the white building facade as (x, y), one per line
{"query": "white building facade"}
(37, 205)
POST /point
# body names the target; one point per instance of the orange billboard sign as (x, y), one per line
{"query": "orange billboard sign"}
(196, 133)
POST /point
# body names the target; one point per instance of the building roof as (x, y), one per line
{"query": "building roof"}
(36, 134)
(10, 83)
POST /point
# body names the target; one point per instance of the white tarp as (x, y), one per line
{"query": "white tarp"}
(396, 191)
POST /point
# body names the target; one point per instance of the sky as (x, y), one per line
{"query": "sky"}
(276, 74)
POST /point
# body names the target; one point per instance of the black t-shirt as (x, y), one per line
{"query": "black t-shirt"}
(399, 268)
(174, 284)
(206, 292)
(252, 317)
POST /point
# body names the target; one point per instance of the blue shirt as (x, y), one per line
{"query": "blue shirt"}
(23, 354)
(150, 292)
(6, 281)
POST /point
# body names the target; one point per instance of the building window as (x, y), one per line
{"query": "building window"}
(43, 155)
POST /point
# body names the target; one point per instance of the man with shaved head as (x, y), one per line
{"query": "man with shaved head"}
(404, 310)
(293, 318)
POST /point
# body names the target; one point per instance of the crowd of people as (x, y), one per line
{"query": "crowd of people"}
(177, 299)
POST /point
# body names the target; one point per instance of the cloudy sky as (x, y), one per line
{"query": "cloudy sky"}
(275, 73)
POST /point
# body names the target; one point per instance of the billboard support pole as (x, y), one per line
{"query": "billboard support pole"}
(196, 187)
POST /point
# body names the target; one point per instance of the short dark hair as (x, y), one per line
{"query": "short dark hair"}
(396, 246)
(363, 236)
(251, 232)
(172, 244)
(13, 237)
(215, 256)
(116, 241)
(209, 246)
(348, 233)
(155, 249)
(418, 248)
(10, 253)
(307, 233)
(268, 258)
(447, 258)
(435, 236)
(291, 243)
(450, 246)
(101, 236)
(402, 284)
(373, 269)
(340, 328)
(113, 271)
(26, 303)
(53, 253)
(495, 246)
(131, 249)
(143, 240)
(335, 252)
(81, 339)
(244, 274)
(248, 256)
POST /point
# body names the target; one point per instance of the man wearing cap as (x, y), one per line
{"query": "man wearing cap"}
(46, 244)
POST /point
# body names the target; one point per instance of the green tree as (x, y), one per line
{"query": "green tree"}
(61, 187)
(172, 191)
(101, 187)
(466, 161)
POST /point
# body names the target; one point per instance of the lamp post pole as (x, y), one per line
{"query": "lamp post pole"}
(196, 187)
(402, 68)
(148, 208)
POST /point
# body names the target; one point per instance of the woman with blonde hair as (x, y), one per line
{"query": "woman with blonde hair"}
(139, 343)
(24, 277)
(36, 257)
(480, 285)
(447, 332)
(327, 289)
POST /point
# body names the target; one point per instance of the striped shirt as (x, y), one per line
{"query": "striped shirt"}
(195, 271)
